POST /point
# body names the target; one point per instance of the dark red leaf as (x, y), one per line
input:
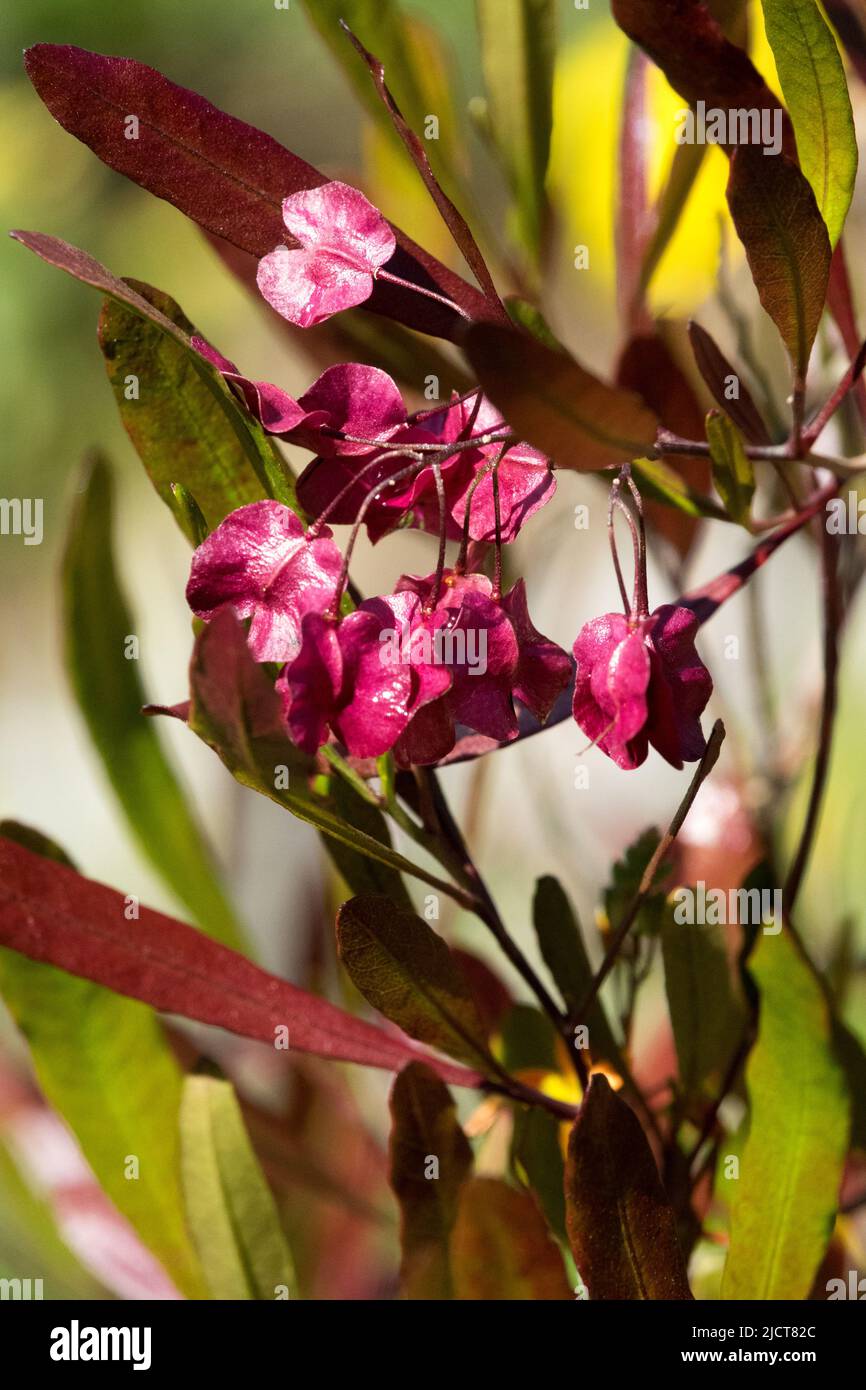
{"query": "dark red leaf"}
(717, 371)
(226, 175)
(689, 45)
(50, 913)
(621, 1226)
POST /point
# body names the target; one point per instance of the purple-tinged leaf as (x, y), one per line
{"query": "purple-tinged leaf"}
(226, 175)
(621, 1227)
(50, 913)
(424, 1126)
(718, 373)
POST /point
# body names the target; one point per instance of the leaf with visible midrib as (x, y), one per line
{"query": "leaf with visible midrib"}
(787, 246)
(816, 92)
(784, 1203)
(231, 1211)
(424, 1125)
(407, 972)
(103, 1063)
(733, 473)
(621, 1226)
(564, 954)
(110, 695)
(53, 915)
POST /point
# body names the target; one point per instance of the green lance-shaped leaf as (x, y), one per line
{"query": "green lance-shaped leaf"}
(706, 1015)
(787, 246)
(784, 1203)
(236, 710)
(362, 874)
(537, 1154)
(430, 1160)
(518, 47)
(553, 402)
(733, 473)
(816, 93)
(230, 1208)
(501, 1248)
(103, 1063)
(621, 1226)
(407, 972)
(186, 426)
(662, 484)
(564, 954)
(104, 670)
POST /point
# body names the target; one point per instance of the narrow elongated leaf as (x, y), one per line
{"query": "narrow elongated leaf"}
(451, 216)
(430, 1160)
(501, 1248)
(727, 386)
(49, 913)
(552, 402)
(683, 172)
(708, 1018)
(787, 246)
(689, 45)
(183, 431)
(237, 711)
(103, 1064)
(361, 873)
(407, 972)
(538, 1152)
(564, 954)
(224, 174)
(816, 92)
(98, 627)
(621, 1226)
(231, 1211)
(784, 1203)
(733, 473)
(661, 483)
(270, 469)
(518, 46)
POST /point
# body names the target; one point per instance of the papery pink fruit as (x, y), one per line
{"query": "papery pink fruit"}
(351, 397)
(359, 678)
(260, 563)
(640, 681)
(526, 481)
(493, 653)
(343, 242)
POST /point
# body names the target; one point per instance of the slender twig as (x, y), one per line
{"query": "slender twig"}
(832, 625)
(704, 768)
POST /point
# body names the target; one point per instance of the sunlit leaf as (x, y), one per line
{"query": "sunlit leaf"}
(430, 1160)
(784, 1203)
(184, 430)
(98, 627)
(733, 473)
(787, 246)
(621, 1226)
(407, 972)
(816, 92)
(501, 1247)
(232, 1215)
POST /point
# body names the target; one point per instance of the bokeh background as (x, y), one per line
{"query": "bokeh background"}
(525, 814)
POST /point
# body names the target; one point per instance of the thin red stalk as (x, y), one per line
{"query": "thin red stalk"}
(829, 408)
